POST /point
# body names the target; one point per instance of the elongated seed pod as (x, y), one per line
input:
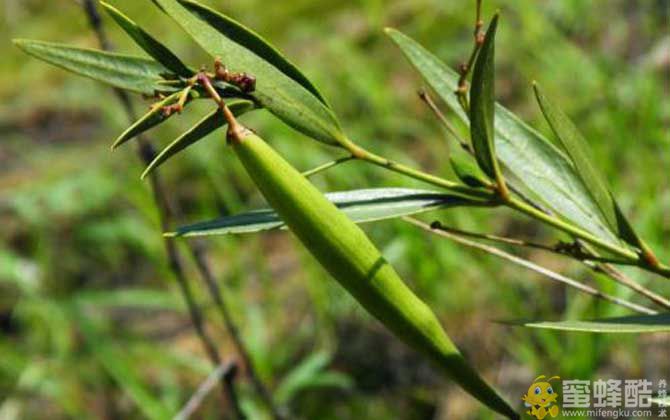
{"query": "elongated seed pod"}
(344, 250)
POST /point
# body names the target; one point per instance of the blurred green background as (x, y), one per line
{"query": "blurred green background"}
(91, 321)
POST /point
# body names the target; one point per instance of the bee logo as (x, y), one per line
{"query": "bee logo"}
(541, 398)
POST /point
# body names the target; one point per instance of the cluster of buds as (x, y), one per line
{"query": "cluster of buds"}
(245, 82)
(171, 109)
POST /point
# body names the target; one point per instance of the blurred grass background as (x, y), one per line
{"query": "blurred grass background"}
(92, 325)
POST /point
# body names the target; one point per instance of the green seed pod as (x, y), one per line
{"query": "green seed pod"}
(352, 259)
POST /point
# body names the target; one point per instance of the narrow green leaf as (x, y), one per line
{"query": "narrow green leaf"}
(467, 171)
(540, 168)
(275, 91)
(203, 128)
(122, 71)
(627, 324)
(482, 94)
(574, 144)
(361, 206)
(253, 42)
(310, 373)
(148, 43)
(154, 117)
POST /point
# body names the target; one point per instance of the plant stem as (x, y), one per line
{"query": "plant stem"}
(630, 257)
(572, 230)
(360, 153)
(616, 275)
(428, 100)
(527, 264)
(593, 261)
(326, 166)
(462, 90)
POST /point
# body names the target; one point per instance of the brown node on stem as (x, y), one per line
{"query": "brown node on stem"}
(245, 82)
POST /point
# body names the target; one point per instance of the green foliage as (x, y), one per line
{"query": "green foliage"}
(203, 128)
(122, 71)
(360, 206)
(247, 38)
(68, 229)
(344, 250)
(149, 44)
(626, 324)
(151, 119)
(311, 373)
(482, 101)
(575, 146)
(275, 90)
(534, 162)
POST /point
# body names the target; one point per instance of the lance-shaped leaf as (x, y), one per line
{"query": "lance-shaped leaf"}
(482, 110)
(275, 90)
(361, 206)
(574, 145)
(122, 71)
(253, 42)
(148, 43)
(542, 170)
(203, 128)
(155, 116)
(627, 324)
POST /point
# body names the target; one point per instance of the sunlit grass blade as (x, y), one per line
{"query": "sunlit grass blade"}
(148, 43)
(361, 206)
(154, 117)
(275, 91)
(482, 110)
(253, 42)
(203, 128)
(542, 170)
(126, 72)
(576, 147)
(627, 324)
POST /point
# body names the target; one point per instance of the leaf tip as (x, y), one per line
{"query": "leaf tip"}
(20, 43)
(146, 172)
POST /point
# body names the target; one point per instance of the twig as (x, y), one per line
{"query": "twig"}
(225, 371)
(166, 210)
(326, 166)
(589, 258)
(616, 275)
(555, 249)
(428, 100)
(461, 91)
(538, 269)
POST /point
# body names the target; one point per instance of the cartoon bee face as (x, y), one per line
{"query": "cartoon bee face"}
(540, 393)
